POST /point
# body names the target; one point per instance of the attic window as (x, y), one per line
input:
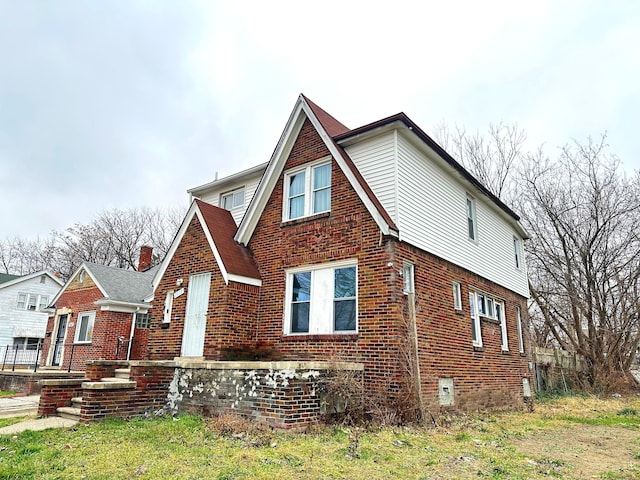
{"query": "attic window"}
(232, 199)
(307, 191)
(43, 278)
(81, 276)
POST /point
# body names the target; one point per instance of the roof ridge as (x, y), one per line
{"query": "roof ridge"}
(331, 125)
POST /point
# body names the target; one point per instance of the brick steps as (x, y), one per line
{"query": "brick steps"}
(72, 413)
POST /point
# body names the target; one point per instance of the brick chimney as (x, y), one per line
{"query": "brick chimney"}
(146, 255)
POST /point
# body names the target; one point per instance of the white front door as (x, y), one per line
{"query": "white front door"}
(195, 319)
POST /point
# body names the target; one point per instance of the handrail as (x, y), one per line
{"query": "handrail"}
(22, 355)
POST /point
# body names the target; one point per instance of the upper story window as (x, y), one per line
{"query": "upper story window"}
(519, 325)
(517, 252)
(32, 301)
(307, 191)
(84, 327)
(472, 227)
(322, 300)
(232, 199)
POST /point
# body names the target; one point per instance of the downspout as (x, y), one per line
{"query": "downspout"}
(133, 327)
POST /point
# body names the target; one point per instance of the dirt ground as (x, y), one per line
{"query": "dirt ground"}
(583, 451)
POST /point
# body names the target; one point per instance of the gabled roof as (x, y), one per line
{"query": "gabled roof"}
(15, 279)
(116, 284)
(234, 261)
(327, 127)
(5, 277)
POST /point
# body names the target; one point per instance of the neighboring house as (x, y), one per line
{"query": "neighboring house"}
(100, 314)
(369, 245)
(23, 307)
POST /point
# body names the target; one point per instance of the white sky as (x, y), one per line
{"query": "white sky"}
(107, 104)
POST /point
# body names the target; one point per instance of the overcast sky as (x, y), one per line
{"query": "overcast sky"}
(120, 104)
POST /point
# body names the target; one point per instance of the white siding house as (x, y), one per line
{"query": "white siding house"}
(233, 193)
(426, 196)
(23, 307)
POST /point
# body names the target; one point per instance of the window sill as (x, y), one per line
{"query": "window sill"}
(477, 348)
(329, 337)
(81, 343)
(310, 218)
(458, 311)
(490, 320)
(505, 352)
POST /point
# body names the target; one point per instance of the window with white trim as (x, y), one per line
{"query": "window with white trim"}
(476, 331)
(322, 300)
(472, 228)
(168, 306)
(408, 278)
(517, 252)
(457, 296)
(519, 324)
(232, 199)
(491, 307)
(143, 320)
(84, 327)
(32, 301)
(307, 191)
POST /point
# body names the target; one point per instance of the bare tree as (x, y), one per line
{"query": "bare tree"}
(583, 215)
(114, 238)
(492, 159)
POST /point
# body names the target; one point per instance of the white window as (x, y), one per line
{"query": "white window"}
(84, 327)
(232, 199)
(472, 228)
(457, 296)
(520, 337)
(168, 305)
(307, 191)
(322, 300)
(81, 276)
(22, 301)
(516, 252)
(408, 278)
(31, 301)
(476, 331)
(503, 326)
(43, 279)
(43, 302)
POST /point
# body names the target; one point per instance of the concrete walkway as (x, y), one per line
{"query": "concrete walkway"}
(19, 406)
(28, 406)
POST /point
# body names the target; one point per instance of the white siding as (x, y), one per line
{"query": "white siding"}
(250, 185)
(432, 216)
(11, 317)
(376, 161)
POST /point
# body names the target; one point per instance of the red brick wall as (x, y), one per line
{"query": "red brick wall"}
(232, 308)
(348, 232)
(483, 377)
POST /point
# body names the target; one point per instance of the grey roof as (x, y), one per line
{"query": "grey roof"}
(123, 285)
(5, 277)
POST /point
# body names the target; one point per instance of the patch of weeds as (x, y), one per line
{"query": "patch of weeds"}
(627, 412)
(462, 437)
(235, 427)
(549, 467)
(7, 393)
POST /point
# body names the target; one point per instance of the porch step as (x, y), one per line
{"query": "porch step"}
(71, 413)
(76, 402)
(113, 380)
(123, 373)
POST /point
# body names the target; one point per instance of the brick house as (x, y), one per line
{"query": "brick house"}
(370, 245)
(100, 314)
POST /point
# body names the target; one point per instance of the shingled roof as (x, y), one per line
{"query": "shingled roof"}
(120, 285)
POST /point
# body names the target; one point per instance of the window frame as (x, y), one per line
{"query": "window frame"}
(475, 320)
(408, 278)
(457, 295)
(26, 300)
(321, 301)
(308, 195)
(517, 250)
(91, 321)
(472, 218)
(143, 320)
(232, 194)
(519, 327)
